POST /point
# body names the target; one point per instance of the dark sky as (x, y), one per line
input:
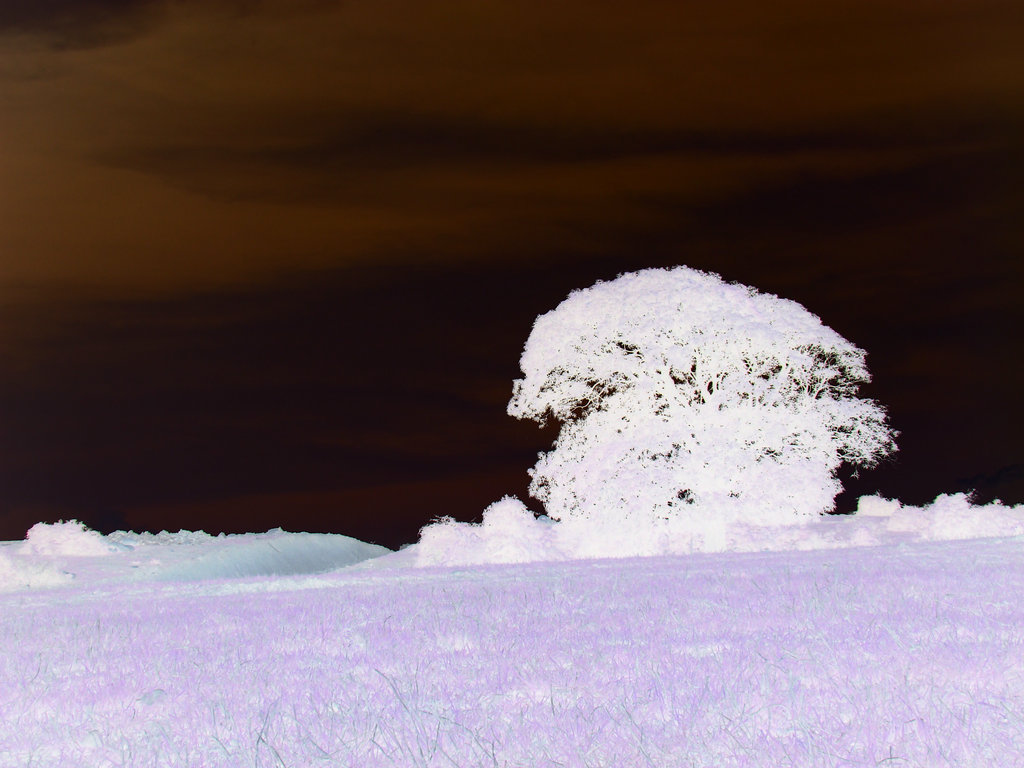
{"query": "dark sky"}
(273, 263)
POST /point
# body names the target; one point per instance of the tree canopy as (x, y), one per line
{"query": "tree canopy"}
(684, 398)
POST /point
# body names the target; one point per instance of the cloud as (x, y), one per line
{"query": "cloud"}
(70, 24)
(354, 156)
(74, 24)
(236, 140)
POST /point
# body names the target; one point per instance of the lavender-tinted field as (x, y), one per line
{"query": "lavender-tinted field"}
(897, 655)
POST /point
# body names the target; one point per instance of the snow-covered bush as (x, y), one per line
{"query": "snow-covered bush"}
(70, 538)
(951, 516)
(508, 533)
(687, 401)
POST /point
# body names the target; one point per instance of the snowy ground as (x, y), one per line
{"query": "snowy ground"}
(183, 650)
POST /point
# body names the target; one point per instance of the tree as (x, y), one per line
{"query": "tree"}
(686, 400)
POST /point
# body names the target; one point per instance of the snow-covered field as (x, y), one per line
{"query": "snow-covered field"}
(174, 650)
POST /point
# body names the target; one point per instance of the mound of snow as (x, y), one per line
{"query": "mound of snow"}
(53, 555)
(69, 539)
(19, 572)
(275, 553)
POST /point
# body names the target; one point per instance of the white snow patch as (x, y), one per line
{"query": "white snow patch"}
(54, 554)
(275, 553)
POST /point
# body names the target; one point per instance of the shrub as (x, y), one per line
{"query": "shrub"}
(70, 538)
(508, 533)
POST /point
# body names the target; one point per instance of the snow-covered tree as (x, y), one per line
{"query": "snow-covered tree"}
(685, 400)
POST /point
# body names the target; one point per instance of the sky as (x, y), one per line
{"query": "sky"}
(273, 263)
